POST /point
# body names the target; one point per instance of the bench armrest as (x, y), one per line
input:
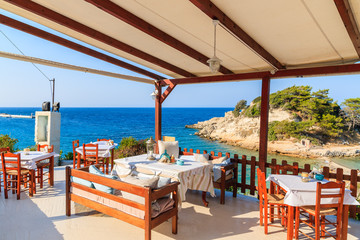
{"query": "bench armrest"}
(163, 191)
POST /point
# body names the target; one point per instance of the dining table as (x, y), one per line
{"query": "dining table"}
(29, 159)
(300, 193)
(106, 150)
(192, 174)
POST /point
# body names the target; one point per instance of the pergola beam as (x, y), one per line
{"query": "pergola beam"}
(285, 73)
(133, 20)
(92, 33)
(214, 12)
(74, 46)
(347, 16)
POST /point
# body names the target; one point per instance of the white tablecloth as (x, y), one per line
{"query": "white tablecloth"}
(29, 159)
(104, 148)
(299, 193)
(192, 175)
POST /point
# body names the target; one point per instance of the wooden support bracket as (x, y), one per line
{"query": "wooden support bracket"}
(167, 91)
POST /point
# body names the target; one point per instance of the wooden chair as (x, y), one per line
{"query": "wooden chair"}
(7, 149)
(14, 175)
(75, 144)
(269, 201)
(274, 188)
(320, 211)
(91, 155)
(41, 165)
(282, 169)
(168, 139)
(226, 180)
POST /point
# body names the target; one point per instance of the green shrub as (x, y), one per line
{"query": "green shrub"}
(129, 146)
(67, 156)
(7, 141)
(253, 110)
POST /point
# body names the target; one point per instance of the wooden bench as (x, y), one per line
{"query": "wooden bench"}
(150, 195)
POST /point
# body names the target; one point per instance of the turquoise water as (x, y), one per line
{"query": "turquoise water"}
(88, 124)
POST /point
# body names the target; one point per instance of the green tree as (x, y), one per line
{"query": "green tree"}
(352, 112)
(242, 104)
(290, 98)
(331, 125)
(7, 141)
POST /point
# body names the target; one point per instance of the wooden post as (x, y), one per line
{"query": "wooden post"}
(264, 117)
(158, 113)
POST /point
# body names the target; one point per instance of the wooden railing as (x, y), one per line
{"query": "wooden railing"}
(247, 183)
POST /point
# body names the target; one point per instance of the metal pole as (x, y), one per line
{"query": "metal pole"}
(53, 94)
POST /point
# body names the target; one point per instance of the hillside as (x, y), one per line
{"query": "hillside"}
(296, 114)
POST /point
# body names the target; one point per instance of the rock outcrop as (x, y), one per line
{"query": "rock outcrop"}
(244, 132)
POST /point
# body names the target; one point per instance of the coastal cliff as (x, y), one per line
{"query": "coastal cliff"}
(244, 132)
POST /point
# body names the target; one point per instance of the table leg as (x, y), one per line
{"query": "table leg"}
(107, 165)
(290, 224)
(51, 171)
(31, 185)
(344, 222)
(79, 160)
(206, 203)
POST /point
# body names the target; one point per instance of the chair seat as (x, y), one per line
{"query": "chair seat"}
(94, 159)
(227, 177)
(15, 172)
(323, 211)
(275, 198)
(42, 164)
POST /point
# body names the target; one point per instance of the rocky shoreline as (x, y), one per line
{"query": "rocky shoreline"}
(244, 132)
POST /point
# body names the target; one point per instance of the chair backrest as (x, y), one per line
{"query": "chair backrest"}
(10, 164)
(104, 139)
(7, 149)
(75, 145)
(330, 190)
(284, 169)
(168, 139)
(91, 151)
(262, 191)
(45, 146)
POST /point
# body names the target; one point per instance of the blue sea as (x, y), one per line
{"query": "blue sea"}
(88, 124)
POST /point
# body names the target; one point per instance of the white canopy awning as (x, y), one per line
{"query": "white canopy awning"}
(296, 33)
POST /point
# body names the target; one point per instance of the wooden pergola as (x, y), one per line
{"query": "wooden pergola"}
(257, 40)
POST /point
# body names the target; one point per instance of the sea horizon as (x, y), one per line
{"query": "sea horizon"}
(89, 123)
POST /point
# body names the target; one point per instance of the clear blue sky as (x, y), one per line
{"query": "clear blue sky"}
(23, 86)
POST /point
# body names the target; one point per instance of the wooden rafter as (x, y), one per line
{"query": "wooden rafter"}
(133, 20)
(215, 13)
(69, 44)
(167, 92)
(347, 16)
(92, 33)
(315, 71)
